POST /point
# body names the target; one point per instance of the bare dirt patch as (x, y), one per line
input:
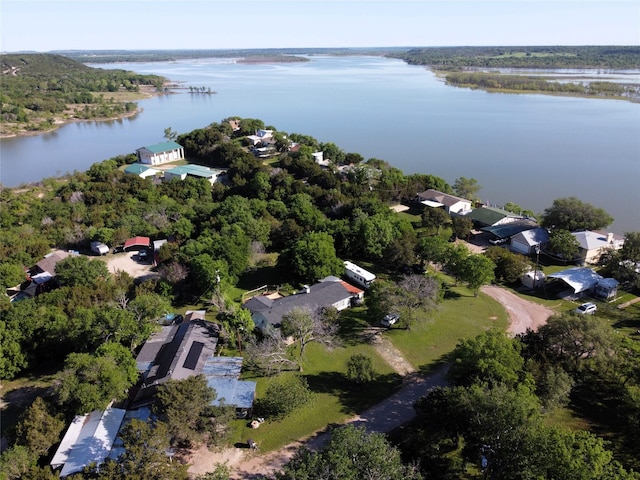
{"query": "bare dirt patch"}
(128, 262)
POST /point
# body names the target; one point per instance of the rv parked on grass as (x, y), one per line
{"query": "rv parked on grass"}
(358, 274)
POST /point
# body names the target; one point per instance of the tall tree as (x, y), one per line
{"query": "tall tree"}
(466, 187)
(80, 270)
(311, 258)
(181, 404)
(563, 244)
(476, 270)
(572, 214)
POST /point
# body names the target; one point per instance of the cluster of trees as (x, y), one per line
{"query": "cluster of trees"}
(492, 419)
(609, 57)
(36, 88)
(497, 81)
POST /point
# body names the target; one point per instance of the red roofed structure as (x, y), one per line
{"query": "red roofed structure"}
(137, 243)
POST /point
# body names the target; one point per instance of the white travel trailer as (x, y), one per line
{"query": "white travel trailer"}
(358, 274)
(99, 248)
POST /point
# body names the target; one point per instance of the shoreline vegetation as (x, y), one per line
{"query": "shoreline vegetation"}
(42, 92)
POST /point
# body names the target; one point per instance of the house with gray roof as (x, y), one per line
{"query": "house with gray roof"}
(526, 241)
(160, 153)
(451, 204)
(267, 311)
(593, 244)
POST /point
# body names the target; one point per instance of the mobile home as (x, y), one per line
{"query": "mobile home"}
(358, 274)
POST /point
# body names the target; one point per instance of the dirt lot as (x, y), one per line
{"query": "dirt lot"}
(128, 262)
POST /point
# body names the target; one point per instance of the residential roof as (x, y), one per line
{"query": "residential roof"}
(323, 294)
(534, 236)
(590, 240)
(441, 197)
(49, 262)
(223, 375)
(138, 168)
(89, 439)
(579, 279)
(162, 147)
(510, 229)
(195, 170)
(490, 215)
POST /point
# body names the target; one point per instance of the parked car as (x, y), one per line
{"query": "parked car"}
(389, 319)
(586, 309)
(498, 241)
(143, 255)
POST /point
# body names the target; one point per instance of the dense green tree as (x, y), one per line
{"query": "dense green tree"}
(311, 258)
(572, 214)
(15, 462)
(563, 244)
(622, 264)
(577, 342)
(360, 369)
(461, 227)
(90, 382)
(466, 187)
(182, 405)
(351, 454)
(475, 271)
(435, 219)
(432, 249)
(38, 429)
(284, 395)
(510, 267)
(206, 272)
(80, 270)
(491, 358)
(11, 274)
(12, 357)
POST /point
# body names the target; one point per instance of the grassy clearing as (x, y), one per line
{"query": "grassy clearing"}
(335, 399)
(460, 315)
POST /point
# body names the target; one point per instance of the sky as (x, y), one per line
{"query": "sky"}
(46, 25)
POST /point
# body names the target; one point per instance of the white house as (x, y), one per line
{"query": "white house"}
(141, 170)
(592, 244)
(452, 204)
(160, 153)
(261, 136)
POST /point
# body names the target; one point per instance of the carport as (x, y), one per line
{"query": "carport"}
(137, 243)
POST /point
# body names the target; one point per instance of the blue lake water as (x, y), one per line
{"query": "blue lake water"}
(527, 149)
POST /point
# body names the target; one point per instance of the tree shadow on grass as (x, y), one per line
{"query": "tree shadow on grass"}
(449, 293)
(16, 401)
(433, 367)
(354, 398)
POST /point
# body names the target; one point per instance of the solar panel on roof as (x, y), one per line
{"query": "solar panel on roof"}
(194, 355)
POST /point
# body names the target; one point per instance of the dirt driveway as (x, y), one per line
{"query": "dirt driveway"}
(128, 262)
(523, 314)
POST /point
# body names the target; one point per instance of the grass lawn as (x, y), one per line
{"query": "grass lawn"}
(459, 316)
(334, 400)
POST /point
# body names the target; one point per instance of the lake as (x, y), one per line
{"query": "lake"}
(526, 149)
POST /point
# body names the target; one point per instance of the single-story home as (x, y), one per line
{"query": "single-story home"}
(504, 232)
(191, 170)
(526, 241)
(160, 153)
(592, 244)
(267, 312)
(492, 216)
(143, 171)
(262, 136)
(451, 204)
(88, 440)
